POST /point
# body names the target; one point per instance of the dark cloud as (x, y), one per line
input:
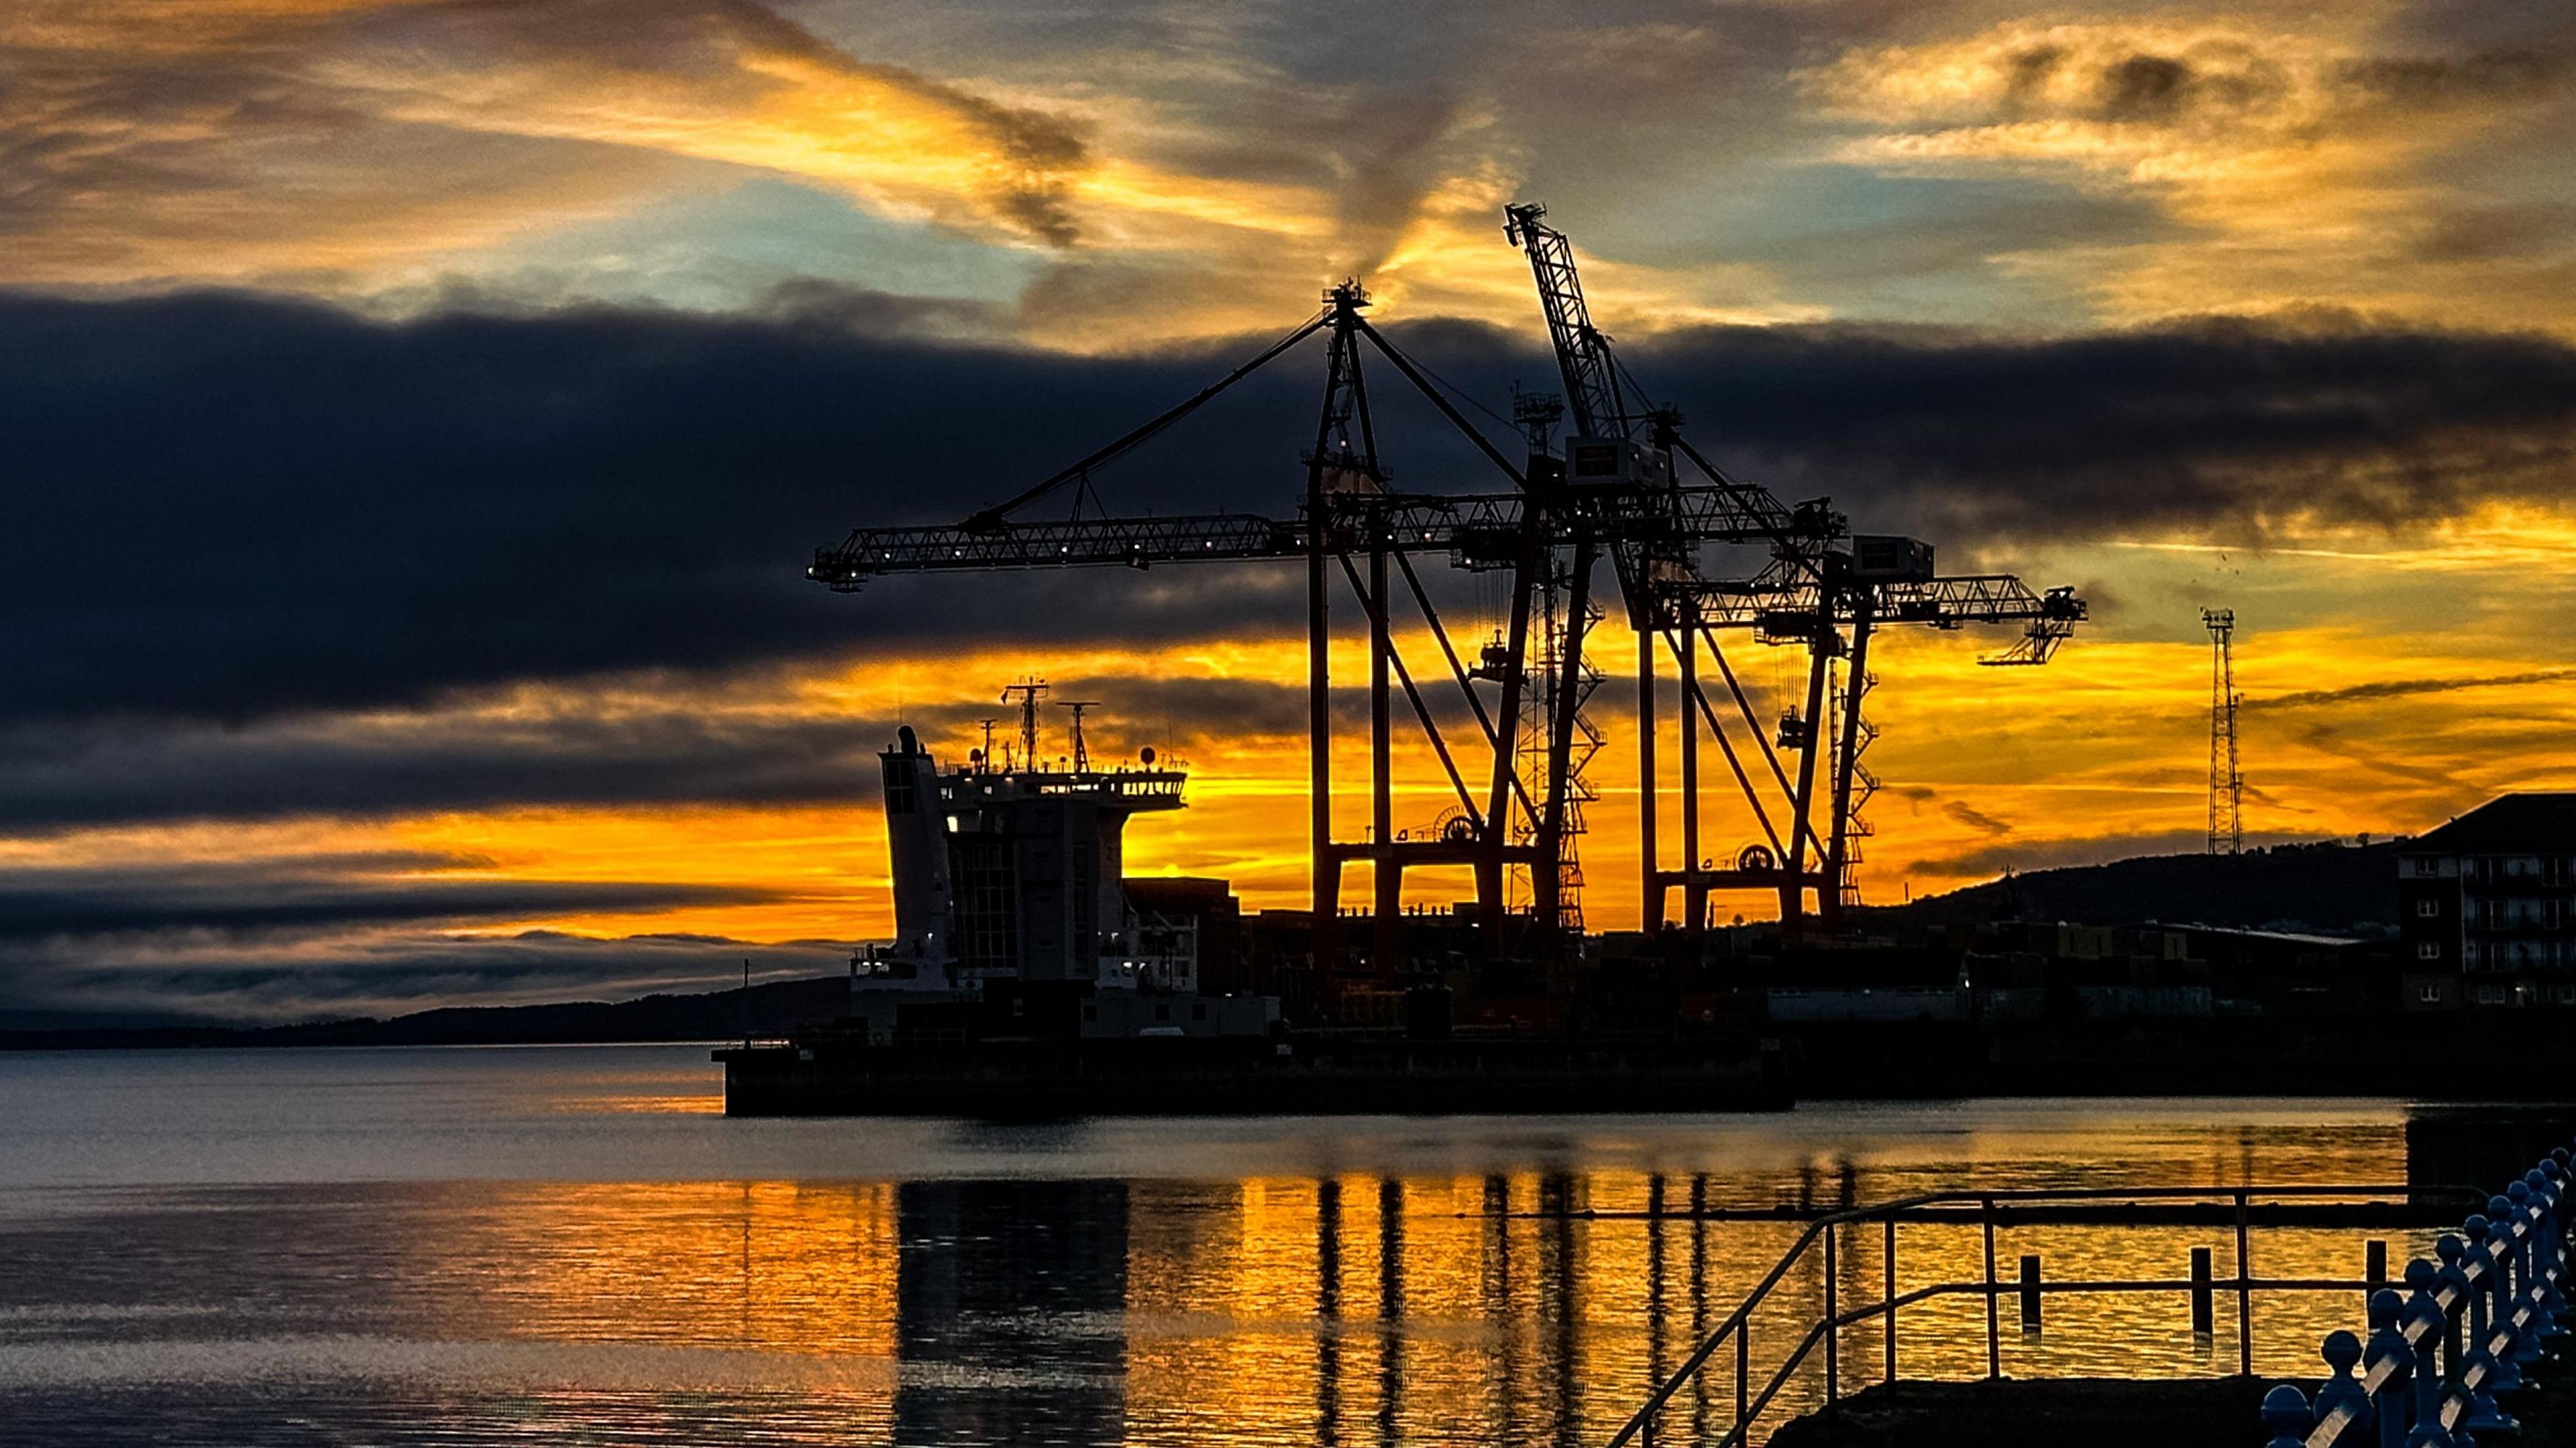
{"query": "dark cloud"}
(304, 895)
(2222, 82)
(2222, 427)
(232, 507)
(172, 975)
(2492, 233)
(2402, 688)
(2482, 78)
(57, 775)
(235, 509)
(1975, 818)
(2004, 857)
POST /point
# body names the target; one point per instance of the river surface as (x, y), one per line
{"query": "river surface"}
(572, 1245)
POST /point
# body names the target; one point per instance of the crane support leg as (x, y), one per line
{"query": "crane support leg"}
(1526, 575)
(1386, 948)
(1820, 654)
(1651, 916)
(1694, 893)
(1547, 884)
(1325, 930)
(1829, 895)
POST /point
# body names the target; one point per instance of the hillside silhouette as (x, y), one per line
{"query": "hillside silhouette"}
(2330, 888)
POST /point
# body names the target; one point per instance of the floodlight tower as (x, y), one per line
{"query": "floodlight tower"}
(2226, 782)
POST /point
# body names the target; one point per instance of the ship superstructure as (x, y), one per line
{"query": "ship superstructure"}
(1009, 880)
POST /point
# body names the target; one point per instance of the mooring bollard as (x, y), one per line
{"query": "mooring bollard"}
(2204, 1317)
(2030, 1293)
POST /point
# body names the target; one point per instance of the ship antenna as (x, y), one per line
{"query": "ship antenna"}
(1081, 755)
(1028, 689)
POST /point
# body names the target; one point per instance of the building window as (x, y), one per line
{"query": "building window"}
(1198, 1013)
(2428, 950)
(2428, 909)
(2429, 994)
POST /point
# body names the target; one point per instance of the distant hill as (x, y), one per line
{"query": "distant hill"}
(768, 1009)
(2330, 888)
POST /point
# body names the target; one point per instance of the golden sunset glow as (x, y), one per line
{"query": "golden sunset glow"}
(2294, 285)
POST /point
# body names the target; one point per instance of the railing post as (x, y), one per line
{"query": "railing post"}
(2030, 1293)
(1891, 1296)
(2393, 1405)
(2537, 1199)
(1994, 1328)
(2519, 1348)
(1743, 1370)
(2204, 1312)
(2420, 1307)
(2451, 1278)
(1833, 1329)
(2480, 1270)
(2285, 1412)
(2244, 1293)
(2374, 1269)
(2342, 1351)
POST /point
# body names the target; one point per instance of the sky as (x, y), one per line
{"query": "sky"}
(418, 418)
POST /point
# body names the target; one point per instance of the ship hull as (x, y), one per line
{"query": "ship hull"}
(1180, 1077)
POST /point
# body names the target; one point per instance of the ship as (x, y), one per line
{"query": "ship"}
(1011, 897)
(1029, 976)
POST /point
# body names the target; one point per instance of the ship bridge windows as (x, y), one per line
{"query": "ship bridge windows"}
(987, 903)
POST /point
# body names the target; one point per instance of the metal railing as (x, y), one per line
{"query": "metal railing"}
(2440, 1353)
(1823, 1334)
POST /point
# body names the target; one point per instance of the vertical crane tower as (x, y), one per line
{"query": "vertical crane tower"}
(1612, 490)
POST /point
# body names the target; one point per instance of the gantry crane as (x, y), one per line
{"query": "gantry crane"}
(1614, 491)
(1822, 588)
(1353, 523)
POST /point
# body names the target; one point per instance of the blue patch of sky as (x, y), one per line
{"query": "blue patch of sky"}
(1870, 246)
(726, 249)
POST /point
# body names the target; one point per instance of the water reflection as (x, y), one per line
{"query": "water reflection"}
(1381, 1292)
(1388, 1310)
(1018, 1289)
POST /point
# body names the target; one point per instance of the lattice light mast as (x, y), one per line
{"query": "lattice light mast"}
(2226, 781)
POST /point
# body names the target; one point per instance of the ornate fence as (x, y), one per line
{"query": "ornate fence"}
(2442, 1352)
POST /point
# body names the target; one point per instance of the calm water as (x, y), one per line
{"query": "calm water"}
(573, 1246)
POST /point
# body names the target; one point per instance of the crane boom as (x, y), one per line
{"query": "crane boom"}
(1477, 529)
(1592, 392)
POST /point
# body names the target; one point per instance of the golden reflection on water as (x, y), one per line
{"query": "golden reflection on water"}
(1518, 1307)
